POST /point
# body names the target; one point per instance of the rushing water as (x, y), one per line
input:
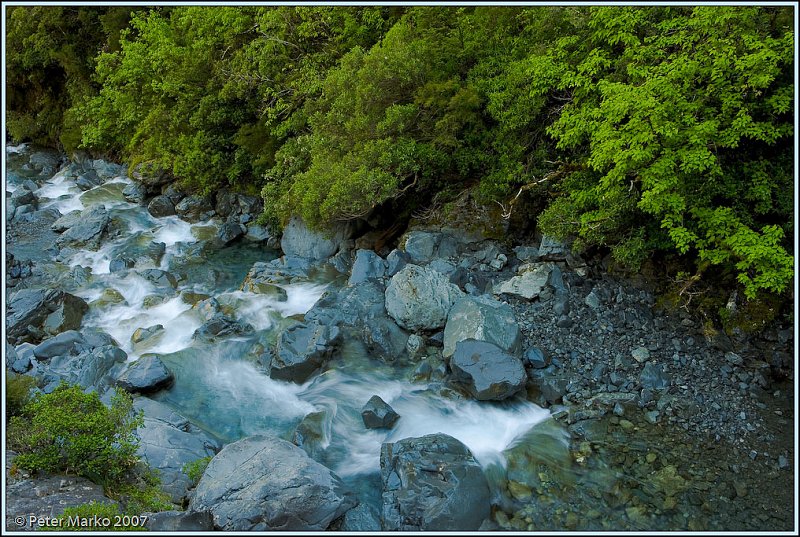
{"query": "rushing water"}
(652, 478)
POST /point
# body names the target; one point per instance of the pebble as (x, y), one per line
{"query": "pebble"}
(782, 462)
(640, 354)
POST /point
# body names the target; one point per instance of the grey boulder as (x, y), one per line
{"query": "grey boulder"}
(483, 319)
(148, 374)
(487, 372)
(419, 298)
(432, 483)
(303, 349)
(88, 231)
(161, 206)
(377, 414)
(368, 265)
(300, 241)
(194, 209)
(32, 314)
(261, 483)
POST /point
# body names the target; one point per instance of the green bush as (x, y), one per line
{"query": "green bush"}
(194, 470)
(74, 432)
(107, 513)
(18, 392)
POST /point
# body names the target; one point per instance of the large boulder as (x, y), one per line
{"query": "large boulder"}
(300, 241)
(66, 221)
(367, 265)
(486, 371)
(88, 180)
(529, 283)
(261, 483)
(419, 298)
(88, 231)
(483, 319)
(168, 441)
(219, 326)
(278, 271)
(432, 483)
(229, 232)
(32, 314)
(135, 193)
(161, 206)
(303, 349)
(95, 368)
(137, 251)
(148, 374)
(377, 414)
(68, 342)
(194, 209)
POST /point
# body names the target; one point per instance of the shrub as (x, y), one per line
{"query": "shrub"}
(18, 392)
(194, 470)
(72, 431)
(108, 513)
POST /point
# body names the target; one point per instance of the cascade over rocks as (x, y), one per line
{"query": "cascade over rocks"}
(432, 483)
(418, 298)
(261, 483)
(87, 232)
(483, 319)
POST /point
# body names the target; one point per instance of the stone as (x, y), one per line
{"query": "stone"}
(432, 483)
(194, 209)
(299, 241)
(486, 371)
(640, 354)
(167, 442)
(536, 358)
(313, 433)
(482, 319)
(367, 265)
(93, 369)
(150, 176)
(229, 232)
(529, 284)
(415, 345)
(161, 206)
(548, 385)
(137, 251)
(395, 262)
(159, 277)
(552, 249)
(34, 313)
(88, 232)
(219, 326)
(260, 483)
(527, 254)
(177, 521)
(268, 289)
(361, 518)
(135, 193)
(302, 350)
(68, 342)
(654, 377)
(66, 221)
(377, 414)
(421, 246)
(418, 298)
(592, 300)
(88, 180)
(278, 271)
(148, 374)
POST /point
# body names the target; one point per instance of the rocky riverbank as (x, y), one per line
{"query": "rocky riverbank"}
(633, 417)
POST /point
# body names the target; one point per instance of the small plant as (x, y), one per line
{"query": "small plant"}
(74, 432)
(18, 392)
(194, 470)
(95, 516)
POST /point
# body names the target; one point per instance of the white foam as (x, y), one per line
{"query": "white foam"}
(173, 230)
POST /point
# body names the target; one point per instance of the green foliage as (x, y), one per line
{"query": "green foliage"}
(18, 392)
(194, 470)
(68, 430)
(93, 511)
(675, 111)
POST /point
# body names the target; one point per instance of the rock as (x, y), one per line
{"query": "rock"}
(174, 194)
(551, 249)
(159, 277)
(415, 345)
(418, 298)
(67, 221)
(69, 342)
(654, 377)
(313, 433)
(487, 372)
(527, 254)
(168, 441)
(88, 232)
(377, 414)
(93, 368)
(194, 209)
(263, 234)
(34, 313)
(395, 262)
(150, 176)
(281, 271)
(432, 483)
(229, 232)
(176, 521)
(368, 265)
(268, 484)
(421, 246)
(592, 300)
(302, 349)
(161, 206)
(529, 284)
(148, 374)
(299, 241)
(135, 193)
(88, 180)
(482, 319)
(107, 170)
(22, 197)
(220, 325)
(49, 497)
(232, 203)
(361, 518)
(640, 354)
(268, 289)
(536, 358)
(548, 386)
(136, 252)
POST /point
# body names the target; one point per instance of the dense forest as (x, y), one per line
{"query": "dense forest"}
(653, 133)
